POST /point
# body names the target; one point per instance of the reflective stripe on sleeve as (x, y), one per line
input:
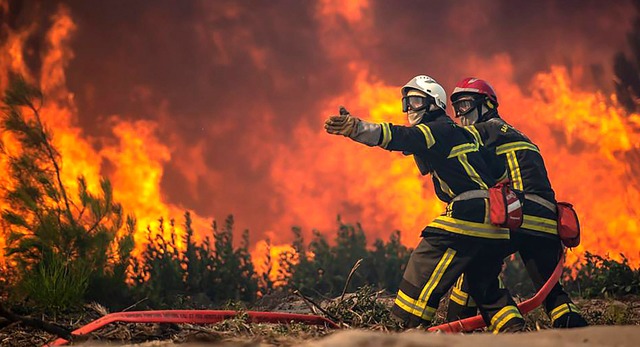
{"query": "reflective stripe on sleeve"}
(427, 134)
(386, 135)
(475, 133)
(516, 146)
(463, 149)
(473, 174)
(444, 186)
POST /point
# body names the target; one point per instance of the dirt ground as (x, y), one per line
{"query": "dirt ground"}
(591, 336)
(613, 323)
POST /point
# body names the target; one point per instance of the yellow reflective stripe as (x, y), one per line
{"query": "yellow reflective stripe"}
(444, 186)
(462, 149)
(461, 294)
(498, 316)
(516, 146)
(428, 313)
(459, 297)
(418, 307)
(562, 310)
(462, 227)
(398, 302)
(503, 316)
(558, 312)
(514, 169)
(506, 320)
(544, 225)
(386, 135)
(408, 304)
(427, 134)
(436, 276)
(459, 282)
(574, 308)
(510, 150)
(475, 133)
(473, 174)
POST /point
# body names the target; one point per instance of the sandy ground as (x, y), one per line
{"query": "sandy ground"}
(592, 336)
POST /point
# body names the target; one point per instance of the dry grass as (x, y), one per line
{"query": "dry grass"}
(363, 309)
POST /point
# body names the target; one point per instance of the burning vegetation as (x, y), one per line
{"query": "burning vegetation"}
(91, 189)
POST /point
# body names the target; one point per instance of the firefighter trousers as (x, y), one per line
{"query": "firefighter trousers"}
(436, 264)
(540, 256)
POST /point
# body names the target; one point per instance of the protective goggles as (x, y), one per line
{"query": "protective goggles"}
(415, 103)
(465, 105)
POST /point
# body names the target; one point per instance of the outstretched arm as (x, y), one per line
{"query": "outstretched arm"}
(412, 140)
(356, 129)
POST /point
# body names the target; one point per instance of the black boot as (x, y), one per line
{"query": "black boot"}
(570, 320)
(515, 325)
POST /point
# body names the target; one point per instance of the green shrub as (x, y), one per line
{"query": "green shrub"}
(321, 269)
(213, 272)
(601, 276)
(56, 283)
(388, 262)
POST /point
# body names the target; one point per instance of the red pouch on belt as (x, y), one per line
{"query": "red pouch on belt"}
(505, 206)
(568, 225)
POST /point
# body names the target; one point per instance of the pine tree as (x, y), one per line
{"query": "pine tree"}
(389, 261)
(265, 283)
(159, 274)
(61, 243)
(234, 277)
(246, 276)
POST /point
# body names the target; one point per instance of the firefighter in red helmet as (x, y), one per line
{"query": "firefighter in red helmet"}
(475, 103)
(459, 240)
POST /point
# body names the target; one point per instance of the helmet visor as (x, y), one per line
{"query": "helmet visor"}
(465, 105)
(414, 103)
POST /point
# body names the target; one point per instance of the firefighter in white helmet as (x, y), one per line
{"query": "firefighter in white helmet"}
(460, 239)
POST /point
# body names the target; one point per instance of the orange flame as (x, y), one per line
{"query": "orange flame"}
(270, 264)
(137, 157)
(587, 142)
(584, 138)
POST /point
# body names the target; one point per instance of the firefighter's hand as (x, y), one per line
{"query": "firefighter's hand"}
(344, 124)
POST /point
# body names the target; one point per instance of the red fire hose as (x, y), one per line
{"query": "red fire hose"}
(473, 323)
(195, 317)
(214, 316)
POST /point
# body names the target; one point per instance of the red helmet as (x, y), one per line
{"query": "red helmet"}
(475, 85)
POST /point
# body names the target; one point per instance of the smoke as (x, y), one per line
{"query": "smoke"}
(237, 91)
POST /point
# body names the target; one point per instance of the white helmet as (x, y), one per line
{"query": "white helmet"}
(427, 85)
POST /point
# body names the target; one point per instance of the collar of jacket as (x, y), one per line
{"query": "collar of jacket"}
(433, 115)
(489, 115)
